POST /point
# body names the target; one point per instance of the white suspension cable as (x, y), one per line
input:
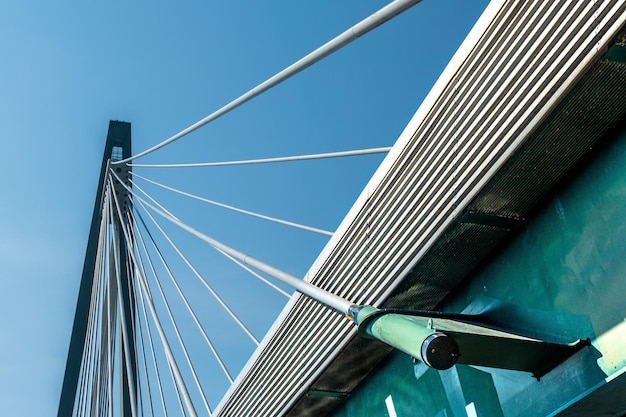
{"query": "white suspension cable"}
(91, 363)
(339, 154)
(143, 297)
(183, 413)
(198, 275)
(130, 270)
(153, 354)
(120, 306)
(364, 26)
(254, 273)
(83, 375)
(322, 296)
(143, 354)
(142, 286)
(97, 324)
(148, 196)
(249, 213)
(111, 314)
(230, 257)
(110, 362)
(89, 359)
(183, 297)
(148, 388)
(175, 327)
(90, 342)
(100, 351)
(86, 361)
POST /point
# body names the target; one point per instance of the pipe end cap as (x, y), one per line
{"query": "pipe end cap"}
(440, 351)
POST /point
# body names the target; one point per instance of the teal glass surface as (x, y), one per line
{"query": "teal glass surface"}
(566, 271)
(397, 380)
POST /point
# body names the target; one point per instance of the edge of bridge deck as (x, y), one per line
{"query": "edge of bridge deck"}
(488, 106)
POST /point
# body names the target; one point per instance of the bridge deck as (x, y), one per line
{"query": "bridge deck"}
(487, 143)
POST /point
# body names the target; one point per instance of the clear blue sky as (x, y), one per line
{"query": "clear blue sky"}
(67, 68)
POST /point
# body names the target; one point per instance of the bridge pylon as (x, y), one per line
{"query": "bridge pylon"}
(119, 289)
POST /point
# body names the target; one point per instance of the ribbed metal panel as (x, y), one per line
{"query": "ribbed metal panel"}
(440, 270)
(518, 62)
(579, 121)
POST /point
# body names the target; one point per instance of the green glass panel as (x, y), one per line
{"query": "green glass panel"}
(569, 263)
(565, 271)
(407, 393)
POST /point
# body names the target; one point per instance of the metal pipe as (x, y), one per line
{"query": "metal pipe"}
(408, 334)
(371, 22)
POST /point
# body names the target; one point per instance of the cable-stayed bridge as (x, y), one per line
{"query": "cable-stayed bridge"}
(448, 192)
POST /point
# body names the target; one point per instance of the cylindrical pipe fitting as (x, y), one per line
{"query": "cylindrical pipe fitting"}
(410, 335)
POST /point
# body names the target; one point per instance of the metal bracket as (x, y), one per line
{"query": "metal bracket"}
(479, 342)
